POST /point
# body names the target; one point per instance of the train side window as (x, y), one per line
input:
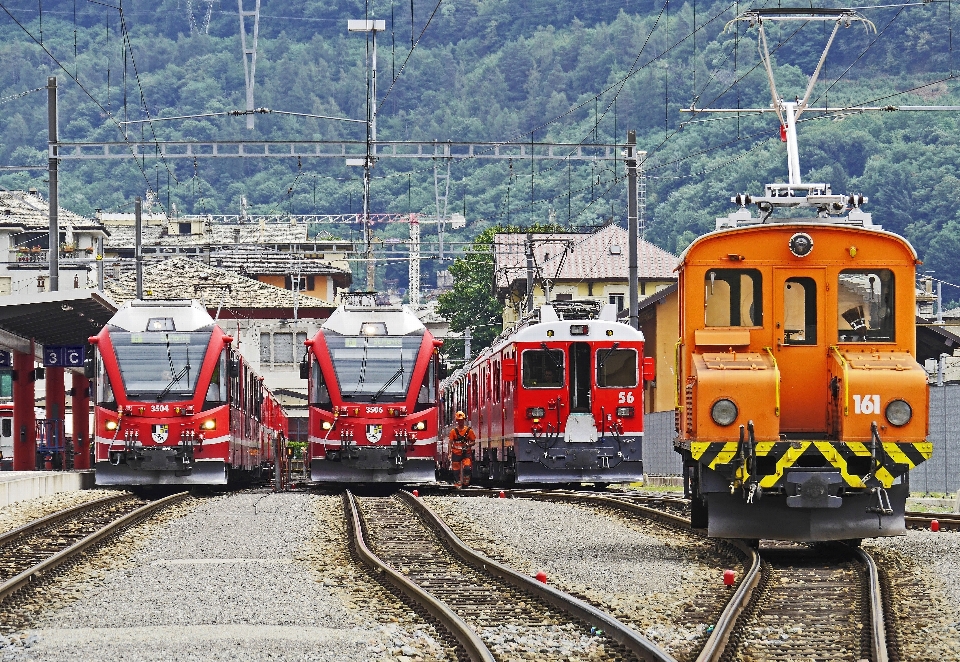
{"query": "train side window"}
(217, 390)
(865, 310)
(6, 427)
(617, 368)
(733, 297)
(497, 382)
(105, 394)
(319, 393)
(542, 368)
(800, 311)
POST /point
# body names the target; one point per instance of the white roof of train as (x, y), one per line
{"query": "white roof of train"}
(186, 314)
(348, 319)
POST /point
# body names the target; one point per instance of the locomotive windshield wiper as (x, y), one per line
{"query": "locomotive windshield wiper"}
(177, 374)
(389, 381)
(602, 358)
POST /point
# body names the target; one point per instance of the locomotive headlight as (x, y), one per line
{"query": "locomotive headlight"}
(420, 425)
(801, 244)
(899, 412)
(625, 412)
(326, 425)
(724, 412)
(535, 412)
(209, 424)
(110, 425)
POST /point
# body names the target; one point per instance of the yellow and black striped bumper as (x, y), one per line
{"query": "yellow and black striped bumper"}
(892, 459)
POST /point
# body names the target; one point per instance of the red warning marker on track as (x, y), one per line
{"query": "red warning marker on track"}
(416, 493)
(542, 577)
(729, 577)
(503, 495)
(934, 525)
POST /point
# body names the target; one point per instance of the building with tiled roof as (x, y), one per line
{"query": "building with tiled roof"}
(25, 237)
(576, 266)
(270, 324)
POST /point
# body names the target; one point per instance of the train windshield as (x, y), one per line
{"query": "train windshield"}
(373, 368)
(865, 306)
(160, 366)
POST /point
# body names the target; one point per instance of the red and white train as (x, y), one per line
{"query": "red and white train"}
(373, 377)
(176, 404)
(558, 399)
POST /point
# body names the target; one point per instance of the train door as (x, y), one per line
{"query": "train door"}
(580, 376)
(800, 348)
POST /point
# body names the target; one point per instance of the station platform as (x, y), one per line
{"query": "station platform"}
(22, 485)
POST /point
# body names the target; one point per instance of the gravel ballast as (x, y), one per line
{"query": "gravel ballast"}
(23, 512)
(234, 578)
(659, 580)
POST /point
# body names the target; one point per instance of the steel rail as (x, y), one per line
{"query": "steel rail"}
(633, 641)
(947, 521)
(476, 650)
(716, 644)
(878, 627)
(55, 518)
(30, 575)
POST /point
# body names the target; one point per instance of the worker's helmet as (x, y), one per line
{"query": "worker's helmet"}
(460, 416)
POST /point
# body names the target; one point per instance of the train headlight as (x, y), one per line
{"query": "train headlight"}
(110, 425)
(724, 412)
(899, 412)
(420, 425)
(326, 425)
(209, 424)
(801, 244)
(535, 412)
(625, 412)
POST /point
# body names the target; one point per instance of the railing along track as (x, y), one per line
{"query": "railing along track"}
(45, 526)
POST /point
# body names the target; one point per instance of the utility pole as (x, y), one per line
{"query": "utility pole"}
(633, 229)
(53, 254)
(372, 27)
(138, 222)
(414, 268)
(529, 251)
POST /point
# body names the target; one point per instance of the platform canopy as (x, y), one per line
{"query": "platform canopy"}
(67, 318)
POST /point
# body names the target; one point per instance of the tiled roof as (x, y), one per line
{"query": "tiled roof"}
(33, 213)
(598, 256)
(179, 277)
(156, 234)
(256, 261)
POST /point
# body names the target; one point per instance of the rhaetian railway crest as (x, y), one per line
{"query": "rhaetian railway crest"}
(374, 432)
(160, 433)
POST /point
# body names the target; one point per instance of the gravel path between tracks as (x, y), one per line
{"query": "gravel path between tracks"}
(23, 512)
(661, 581)
(234, 577)
(924, 570)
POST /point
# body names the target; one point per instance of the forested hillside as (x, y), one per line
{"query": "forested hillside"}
(490, 70)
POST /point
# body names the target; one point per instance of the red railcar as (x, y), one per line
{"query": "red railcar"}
(558, 399)
(175, 403)
(373, 395)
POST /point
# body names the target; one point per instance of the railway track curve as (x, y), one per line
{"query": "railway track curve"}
(417, 552)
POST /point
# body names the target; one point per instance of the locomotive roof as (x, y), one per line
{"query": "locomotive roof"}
(186, 315)
(794, 224)
(347, 320)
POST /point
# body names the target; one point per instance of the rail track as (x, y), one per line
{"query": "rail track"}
(793, 602)
(479, 600)
(34, 550)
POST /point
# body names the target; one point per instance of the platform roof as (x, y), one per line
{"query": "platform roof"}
(68, 317)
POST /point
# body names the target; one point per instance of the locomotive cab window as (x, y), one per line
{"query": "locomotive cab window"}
(542, 368)
(319, 393)
(616, 368)
(733, 297)
(800, 311)
(865, 306)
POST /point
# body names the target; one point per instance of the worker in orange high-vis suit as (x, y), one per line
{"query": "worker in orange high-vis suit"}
(462, 438)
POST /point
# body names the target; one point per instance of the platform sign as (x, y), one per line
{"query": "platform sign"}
(58, 356)
(6, 359)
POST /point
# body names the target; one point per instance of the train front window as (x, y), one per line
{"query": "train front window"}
(160, 365)
(733, 297)
(800, 311)
(542, 368)
(617, 368)
(373, 368)
(865, 310)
